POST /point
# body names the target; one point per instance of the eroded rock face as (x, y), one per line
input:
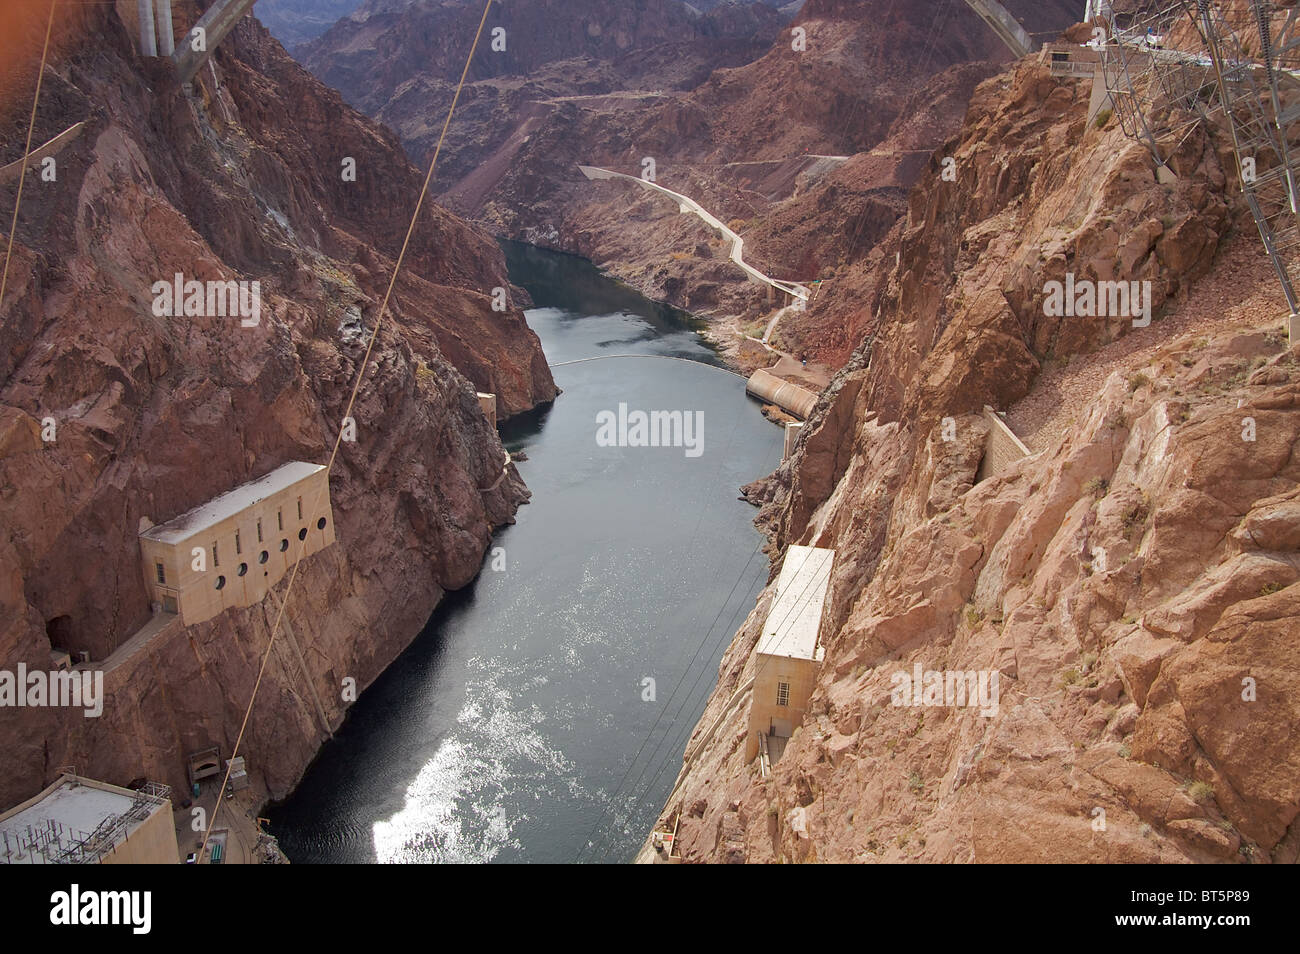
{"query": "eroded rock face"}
(154, 415)
(730, 111)
(1130, 583)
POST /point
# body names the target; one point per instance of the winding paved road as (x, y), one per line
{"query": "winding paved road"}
(687, 204)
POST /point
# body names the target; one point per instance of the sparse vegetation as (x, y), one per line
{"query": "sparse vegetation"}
(1137, 381)
(1135, 517)
(1103, 119)
(1097, 488)
(1200, 791)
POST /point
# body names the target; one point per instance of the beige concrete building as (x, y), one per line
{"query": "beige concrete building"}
(488, 402)
(231, 550)
(789, 652)
(792, 429)
(80, 821)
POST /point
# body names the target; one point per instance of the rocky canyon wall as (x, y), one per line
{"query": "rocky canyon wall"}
(738, 113)
(242, 179)
(1133, 584)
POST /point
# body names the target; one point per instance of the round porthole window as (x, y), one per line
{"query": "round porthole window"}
(284, 545)
(302, 534)
(264, 557)
(221, 582)
(243, 568)
(320, 524)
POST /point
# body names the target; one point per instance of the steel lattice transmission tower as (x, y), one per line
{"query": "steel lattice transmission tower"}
(1170, 66)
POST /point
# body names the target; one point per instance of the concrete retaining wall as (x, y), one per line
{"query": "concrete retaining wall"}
(488, 402)
(791, 438)
(1002, 448)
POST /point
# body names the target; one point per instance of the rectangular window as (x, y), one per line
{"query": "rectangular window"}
(259, 529)
(299, 508)
(162, 572)
(782, 693)
(215, 561)
(279, 518)
(238, 549)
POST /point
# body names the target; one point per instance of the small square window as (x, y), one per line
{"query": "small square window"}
(782, 693)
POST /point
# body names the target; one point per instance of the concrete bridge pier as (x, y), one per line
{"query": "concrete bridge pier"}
(220, 18)
(148, 47)
(156, 33)
(166, 36)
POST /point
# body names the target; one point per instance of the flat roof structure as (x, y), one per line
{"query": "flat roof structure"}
(794, 623)
(231, 551)
(78, 820)
(232, 502)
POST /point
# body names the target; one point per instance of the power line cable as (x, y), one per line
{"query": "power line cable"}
(356, 388)
(27, 151)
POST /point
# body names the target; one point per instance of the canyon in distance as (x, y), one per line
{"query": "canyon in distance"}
(727, 431)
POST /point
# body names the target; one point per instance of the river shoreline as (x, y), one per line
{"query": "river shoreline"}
(502, 732)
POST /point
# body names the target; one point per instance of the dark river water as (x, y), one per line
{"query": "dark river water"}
(520, 726)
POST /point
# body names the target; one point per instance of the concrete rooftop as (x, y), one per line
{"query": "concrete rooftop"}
(794, 623)
(77, 806)
(230, 503)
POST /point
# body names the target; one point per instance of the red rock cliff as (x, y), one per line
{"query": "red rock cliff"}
(1135, 584)
(240, 180)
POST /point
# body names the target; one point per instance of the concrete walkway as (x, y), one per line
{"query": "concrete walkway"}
(799, 292)
(787, 365)
(141, 638)
(505, 472)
